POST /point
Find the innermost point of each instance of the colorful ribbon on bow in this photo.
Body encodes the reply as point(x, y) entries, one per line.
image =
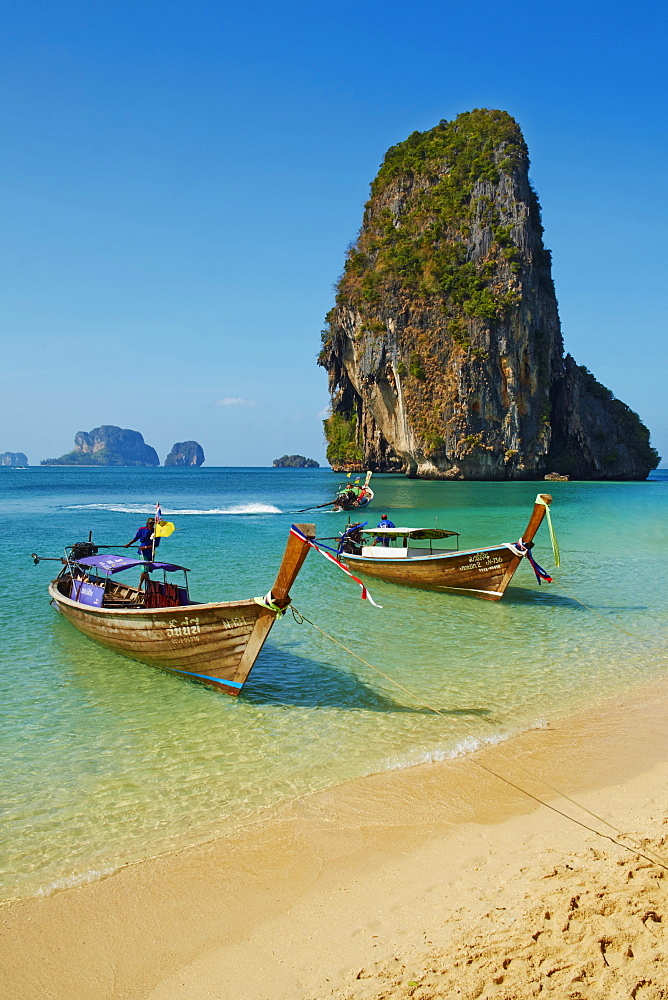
point(366, 596)
point(524, 550)
point(553, 534)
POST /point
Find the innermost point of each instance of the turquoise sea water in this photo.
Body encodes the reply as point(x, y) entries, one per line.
point(105, 760)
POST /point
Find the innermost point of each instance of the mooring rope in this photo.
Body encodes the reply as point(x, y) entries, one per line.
point(608, 621)
point(300, 617)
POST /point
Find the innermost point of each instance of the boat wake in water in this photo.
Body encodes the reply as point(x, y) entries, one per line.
point(142, 508)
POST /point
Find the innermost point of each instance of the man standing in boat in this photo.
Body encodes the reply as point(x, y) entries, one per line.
point(384, 523)
point(146, 541)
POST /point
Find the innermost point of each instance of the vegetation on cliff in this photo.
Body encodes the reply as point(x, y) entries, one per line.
point(424, 249)
point(343, 446)
point(444, 345)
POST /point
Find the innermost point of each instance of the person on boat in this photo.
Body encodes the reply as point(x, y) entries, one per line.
point(355, 493)
point(383, 523)
point(146, 541)
point(364, 490)
point(347, 494)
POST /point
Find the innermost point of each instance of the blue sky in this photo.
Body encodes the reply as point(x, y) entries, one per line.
point(180, 181)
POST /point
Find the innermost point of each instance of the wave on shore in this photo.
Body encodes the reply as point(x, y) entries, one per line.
point(141, 508)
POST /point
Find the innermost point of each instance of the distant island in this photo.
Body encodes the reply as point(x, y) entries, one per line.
point(185, 453)
point(108, 445)
point(295, 462)
point(15, 459)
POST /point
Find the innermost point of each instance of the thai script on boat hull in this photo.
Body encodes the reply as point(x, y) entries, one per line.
point(483, 562)
point(186, 626)
point(191, 626)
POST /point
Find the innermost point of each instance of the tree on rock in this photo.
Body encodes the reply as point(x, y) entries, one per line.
point(295, 462)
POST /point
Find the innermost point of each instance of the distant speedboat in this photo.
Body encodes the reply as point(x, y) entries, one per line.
point(483, 572)
point(159, 624)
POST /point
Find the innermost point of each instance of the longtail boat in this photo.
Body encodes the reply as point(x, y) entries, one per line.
point(348, 497)
point(159, 624)
point(484, 572)
point(354, 497)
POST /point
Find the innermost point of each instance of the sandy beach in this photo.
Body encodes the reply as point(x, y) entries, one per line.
point(436, 881)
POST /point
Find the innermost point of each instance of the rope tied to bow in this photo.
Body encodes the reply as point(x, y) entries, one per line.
point(268, 602)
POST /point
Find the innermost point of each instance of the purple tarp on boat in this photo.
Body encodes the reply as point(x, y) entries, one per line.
point(114, 564)
point(87, 593)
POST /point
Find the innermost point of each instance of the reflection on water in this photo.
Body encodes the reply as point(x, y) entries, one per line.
point(106, 760)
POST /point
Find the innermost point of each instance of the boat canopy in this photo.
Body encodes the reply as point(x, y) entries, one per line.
point(410, 532)
point(114, 564)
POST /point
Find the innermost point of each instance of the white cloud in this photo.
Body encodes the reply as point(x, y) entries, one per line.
point(235, 401)
point(325, 413)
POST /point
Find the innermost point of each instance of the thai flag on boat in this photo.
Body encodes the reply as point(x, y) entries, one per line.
point(158, 512)
point(366, 596)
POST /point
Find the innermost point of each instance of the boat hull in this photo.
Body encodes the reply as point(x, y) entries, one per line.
point(215, 644)
point(483, 573)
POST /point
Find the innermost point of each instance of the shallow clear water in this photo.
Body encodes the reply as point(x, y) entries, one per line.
point(105, 760)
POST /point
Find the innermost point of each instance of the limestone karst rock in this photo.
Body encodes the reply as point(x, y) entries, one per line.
point(16, 459)
point(108, 445)
point(186, 453)
point(295, 462)
point(444, 348)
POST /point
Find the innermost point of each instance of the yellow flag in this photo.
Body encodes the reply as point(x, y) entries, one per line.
point(163, 529)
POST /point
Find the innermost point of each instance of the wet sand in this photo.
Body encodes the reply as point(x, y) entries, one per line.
point(435, 881)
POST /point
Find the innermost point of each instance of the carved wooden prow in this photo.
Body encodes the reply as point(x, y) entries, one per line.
point(532, 527)
point(537, 516)
point(293, 558)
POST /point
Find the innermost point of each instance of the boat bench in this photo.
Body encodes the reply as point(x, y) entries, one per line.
point(384, 552)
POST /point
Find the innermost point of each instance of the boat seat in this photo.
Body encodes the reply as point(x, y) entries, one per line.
point(384, 552)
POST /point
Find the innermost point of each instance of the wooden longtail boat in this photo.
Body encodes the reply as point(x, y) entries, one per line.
point(353, 498)
point(214, 644)
point(343, 503)
point(484, 572)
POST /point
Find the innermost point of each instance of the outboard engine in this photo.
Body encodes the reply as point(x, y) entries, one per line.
point(81, 550)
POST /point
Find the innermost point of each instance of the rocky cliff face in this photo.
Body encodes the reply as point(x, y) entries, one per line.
point(186, 453)
point(108, 445)
point(444, 349)
point(13, 458)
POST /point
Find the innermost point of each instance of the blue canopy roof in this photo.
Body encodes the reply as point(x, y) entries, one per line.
point(114, 564)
